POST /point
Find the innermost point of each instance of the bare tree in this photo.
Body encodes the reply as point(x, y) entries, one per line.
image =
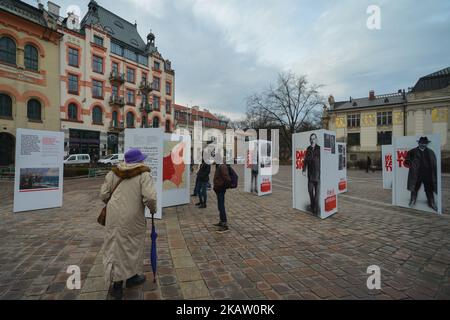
point(292, 105)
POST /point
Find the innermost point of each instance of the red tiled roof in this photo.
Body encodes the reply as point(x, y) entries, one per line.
point(197, 113)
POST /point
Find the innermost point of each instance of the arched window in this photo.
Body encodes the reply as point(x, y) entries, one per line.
point(155, 122)
point(144, 122)
point(97, 115)
point(167, 125)
point(115, 117)
point(31, 57)
point(130, 120)
point(7, 50)
point(34, 109)
point(5, 106)
point(72, 113)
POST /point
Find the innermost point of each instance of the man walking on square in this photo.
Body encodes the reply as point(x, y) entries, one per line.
point(222, 181)
point(203, 180)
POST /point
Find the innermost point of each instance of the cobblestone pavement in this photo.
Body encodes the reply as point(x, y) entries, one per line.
point(271, 252)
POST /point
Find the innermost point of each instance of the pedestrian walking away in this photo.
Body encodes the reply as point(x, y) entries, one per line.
point(123, 247)
point(203, 181)
point(221, 182)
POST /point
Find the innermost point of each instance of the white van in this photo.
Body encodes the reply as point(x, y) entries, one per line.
point(78, 159)
point(112, 159)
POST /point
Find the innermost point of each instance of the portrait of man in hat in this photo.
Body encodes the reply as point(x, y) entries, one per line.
point(312, 165)
point(422, 170)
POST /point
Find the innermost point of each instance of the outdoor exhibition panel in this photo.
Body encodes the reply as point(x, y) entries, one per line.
point(251, 166)
point(150, 142)
point(314, 172)
point(417, 173)
point(342, 167)
point(176, 170)
point(386, 158)
point(39, 170)
point(264, 167)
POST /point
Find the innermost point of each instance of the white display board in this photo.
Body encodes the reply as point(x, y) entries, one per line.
point(386, 159)
point(265, 166)
point(150, 142)
point(251, 162)
point(176, 170)
point(39, 169)
point(416, 171)
point(314, 172)
point(342, 167)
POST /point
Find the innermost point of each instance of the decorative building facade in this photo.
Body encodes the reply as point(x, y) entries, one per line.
point(366, 124)
point(110, 80)
point(29, 60)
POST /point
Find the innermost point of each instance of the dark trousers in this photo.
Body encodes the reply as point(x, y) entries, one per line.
point(254, 182)
point(428, 186)
point(202, 194)
point(221, 206)
point(314, 195)
point(197, 187)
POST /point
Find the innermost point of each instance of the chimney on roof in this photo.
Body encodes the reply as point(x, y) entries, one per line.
point(371, 95)
point(53, 8)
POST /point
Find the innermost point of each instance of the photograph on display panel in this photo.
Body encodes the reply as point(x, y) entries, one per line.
point(342, 167)
point(417, 174)
point(39, 179)
point(312, 162)
point(264, 167)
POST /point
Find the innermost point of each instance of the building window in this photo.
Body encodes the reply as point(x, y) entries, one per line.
point(116, 49)
point(115, 91)
point(353, 120)
point(115, 68)
point(130, 55)
point(97, 64)
point(155, 102)
point(115, 119)
point(7, 50)
point(130, 120)
point(167, 125)
point(144, 78)
point(98, 40)
point(31, 58)
point(156, 65)
point(73, 84)
point(168, 88)
point(73, 57)
point(156, 83)
point(72, 112)
point(34, 110)
point(168, 106)
point(155, 122)
point(384, 138)
point(353, 139)
point(130, 97)
point(130, 75)
point(384, 118)
point(97, 115)
point(5, 106)
point(97, 89)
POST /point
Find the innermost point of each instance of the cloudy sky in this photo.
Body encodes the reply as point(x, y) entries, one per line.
point(224, 50)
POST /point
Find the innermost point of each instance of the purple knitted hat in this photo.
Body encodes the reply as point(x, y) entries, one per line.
point(134, 156)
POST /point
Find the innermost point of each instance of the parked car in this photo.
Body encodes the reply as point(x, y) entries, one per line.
point(77, 159)
point(112, 159)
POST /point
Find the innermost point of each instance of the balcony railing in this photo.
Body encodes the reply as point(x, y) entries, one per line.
point(146, 86)
point(116, 101)
point(145, 106)
point(115, 126)
point(117, 77)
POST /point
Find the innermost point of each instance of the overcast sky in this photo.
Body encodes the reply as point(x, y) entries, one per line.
point(225, 50)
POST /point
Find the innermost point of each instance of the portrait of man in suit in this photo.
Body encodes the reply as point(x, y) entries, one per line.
point(422, 170)
point(312, 165)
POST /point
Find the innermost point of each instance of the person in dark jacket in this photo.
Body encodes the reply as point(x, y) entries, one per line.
point(222, 181)
point(312, 164)
point(369, 164)
point(422, 170)
point(203, 181)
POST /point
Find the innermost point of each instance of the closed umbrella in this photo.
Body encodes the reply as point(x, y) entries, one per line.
point(153, 253)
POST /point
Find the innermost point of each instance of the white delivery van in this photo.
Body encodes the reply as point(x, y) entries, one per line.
point(112, 159)
point(78, 159)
